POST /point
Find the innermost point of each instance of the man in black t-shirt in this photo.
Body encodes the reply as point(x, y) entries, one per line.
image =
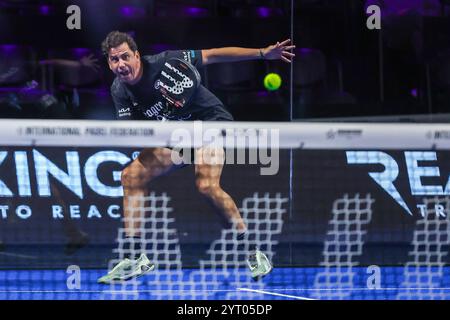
point(138, 101)
point(134, 97)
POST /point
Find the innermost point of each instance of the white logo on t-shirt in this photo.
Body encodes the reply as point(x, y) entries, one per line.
point(124, 112)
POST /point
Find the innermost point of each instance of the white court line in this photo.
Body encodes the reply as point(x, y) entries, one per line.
point(275, 294)
point(358, 289)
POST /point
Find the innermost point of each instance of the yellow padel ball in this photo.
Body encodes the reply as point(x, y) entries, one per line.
point(272, 81)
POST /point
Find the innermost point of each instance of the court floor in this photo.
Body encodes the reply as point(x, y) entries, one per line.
point(391, 283)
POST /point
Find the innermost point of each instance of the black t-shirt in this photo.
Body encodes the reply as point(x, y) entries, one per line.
point(140, 101)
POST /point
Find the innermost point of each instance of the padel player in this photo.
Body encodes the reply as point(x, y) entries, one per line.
point(134, 97)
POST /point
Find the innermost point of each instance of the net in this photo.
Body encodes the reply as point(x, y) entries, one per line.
point(356, 214)
point(343, 246)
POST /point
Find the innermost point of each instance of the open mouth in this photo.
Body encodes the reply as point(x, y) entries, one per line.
point(124, 73)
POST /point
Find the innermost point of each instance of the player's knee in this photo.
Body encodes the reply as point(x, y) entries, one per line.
point(206, 187)
point(125, 177)
point(131, 177)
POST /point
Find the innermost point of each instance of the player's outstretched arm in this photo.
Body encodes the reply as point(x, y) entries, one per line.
point(277, 51)
point(86, 61)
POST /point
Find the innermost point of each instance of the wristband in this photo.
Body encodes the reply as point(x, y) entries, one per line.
point(261, 54)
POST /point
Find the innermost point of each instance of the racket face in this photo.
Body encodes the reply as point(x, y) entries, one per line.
point(178, 82)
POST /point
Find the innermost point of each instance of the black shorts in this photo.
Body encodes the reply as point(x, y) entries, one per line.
point(181, 152)
point(216, 114)
point(192, 156)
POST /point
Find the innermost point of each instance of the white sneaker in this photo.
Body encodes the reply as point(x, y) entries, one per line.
point(128, 269)
point(259, 265)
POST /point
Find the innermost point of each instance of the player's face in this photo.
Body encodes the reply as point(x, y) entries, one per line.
point(125, 63)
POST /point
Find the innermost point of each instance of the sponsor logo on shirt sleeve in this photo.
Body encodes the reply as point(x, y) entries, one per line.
point(124, 112)
point(188, 55)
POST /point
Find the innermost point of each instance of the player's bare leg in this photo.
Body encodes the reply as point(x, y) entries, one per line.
point(208, 170)
point(151, 163)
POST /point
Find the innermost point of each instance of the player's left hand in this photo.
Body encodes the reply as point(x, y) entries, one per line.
point(91, 62)
point(280, 50)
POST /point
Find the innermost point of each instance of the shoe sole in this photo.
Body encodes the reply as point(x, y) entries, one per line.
point(144, 270)
point(259, 277)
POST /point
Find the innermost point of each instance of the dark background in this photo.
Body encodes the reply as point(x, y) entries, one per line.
point(342, 69)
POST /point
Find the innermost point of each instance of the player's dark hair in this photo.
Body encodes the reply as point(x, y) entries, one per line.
point(115, 39)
